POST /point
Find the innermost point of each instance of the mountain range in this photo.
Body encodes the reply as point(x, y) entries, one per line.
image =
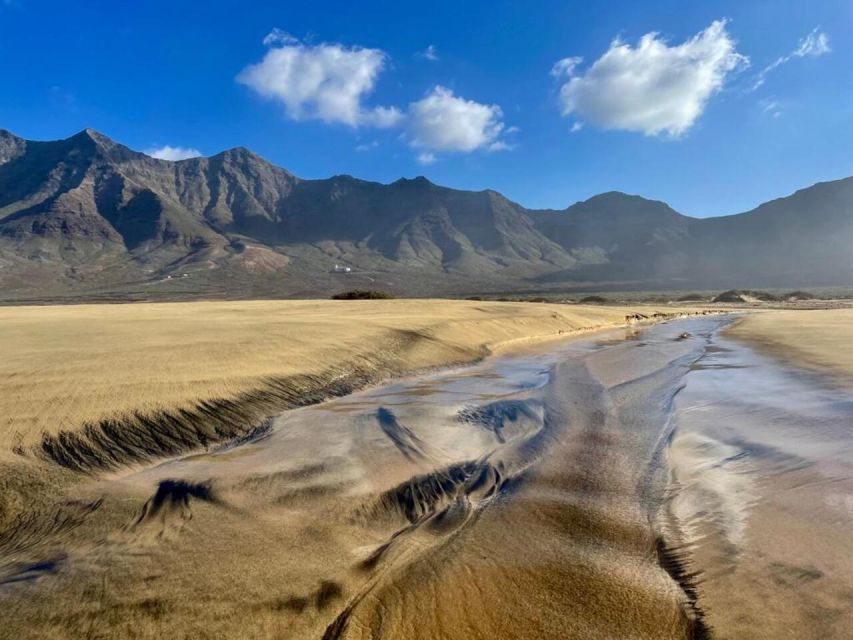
point(87, 217)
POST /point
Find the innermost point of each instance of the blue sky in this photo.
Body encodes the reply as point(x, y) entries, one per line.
point(730, 104)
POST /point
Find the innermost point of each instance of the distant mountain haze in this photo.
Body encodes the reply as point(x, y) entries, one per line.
point(89, 217)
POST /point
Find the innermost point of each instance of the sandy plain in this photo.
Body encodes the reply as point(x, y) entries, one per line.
point(525, 496)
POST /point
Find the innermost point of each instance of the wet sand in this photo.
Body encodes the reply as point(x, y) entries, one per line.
point(762, 464)
point(638, 484)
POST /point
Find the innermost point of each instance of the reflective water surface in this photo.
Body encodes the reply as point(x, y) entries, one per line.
point(763, 464)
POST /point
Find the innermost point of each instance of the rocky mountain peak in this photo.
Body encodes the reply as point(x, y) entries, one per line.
point(11, 145)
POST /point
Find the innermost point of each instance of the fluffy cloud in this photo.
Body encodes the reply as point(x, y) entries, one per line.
point(173, 153)
point(815, 44)
point(442, 121)
point(652, 88)
point(330, 82)
point(326, 82)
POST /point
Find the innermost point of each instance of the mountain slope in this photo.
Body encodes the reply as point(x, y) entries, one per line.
point(618, 237)
point(88, 216)
point(803, 239)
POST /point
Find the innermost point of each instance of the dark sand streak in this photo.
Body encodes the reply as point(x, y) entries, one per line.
point(575, 454)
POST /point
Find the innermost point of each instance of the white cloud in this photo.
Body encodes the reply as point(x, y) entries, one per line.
point(382, 117)
point(173, 153)
point(277, 36)
point(771, 107)
point(444, 122)
point(500, 145)
point(430, 53)
point(566, 66)
point(652, 88)
point(366, 146)
point(325, 82)
point(814, 45)
point(330, 82)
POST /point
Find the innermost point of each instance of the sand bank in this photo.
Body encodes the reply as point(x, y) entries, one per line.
point(65, 367)
point(762, 464)
point(821, 340)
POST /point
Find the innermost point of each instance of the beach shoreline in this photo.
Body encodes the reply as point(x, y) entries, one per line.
point(817, 341)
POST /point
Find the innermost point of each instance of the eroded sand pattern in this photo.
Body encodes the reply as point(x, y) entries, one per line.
point(532, 496)
point(763, 465)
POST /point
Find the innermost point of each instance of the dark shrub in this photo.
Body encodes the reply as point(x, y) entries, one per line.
point(592, 300)
point(729, 296)
point(362, 294)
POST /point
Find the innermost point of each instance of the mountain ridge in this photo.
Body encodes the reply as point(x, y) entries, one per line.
point(89, 215)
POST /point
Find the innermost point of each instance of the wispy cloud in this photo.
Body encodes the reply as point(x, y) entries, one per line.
point(430, 53)
point(814, 44)
point(770, 107)
point(167, 152)
point(652, 88)
point(279, 37)
point(64, 99)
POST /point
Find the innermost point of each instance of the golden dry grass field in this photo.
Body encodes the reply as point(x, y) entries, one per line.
point(64, 366)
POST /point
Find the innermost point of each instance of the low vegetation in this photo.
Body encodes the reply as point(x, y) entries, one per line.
point(362, 294)
point(737, 295)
